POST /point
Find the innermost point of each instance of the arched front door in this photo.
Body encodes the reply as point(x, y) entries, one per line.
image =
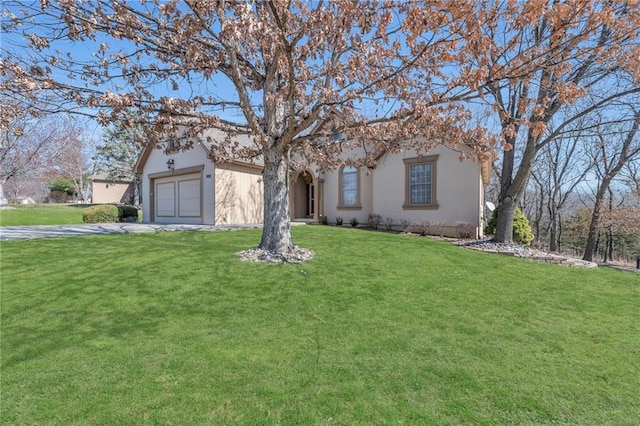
point(305, 196)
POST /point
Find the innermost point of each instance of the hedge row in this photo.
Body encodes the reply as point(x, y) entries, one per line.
point(109, 213)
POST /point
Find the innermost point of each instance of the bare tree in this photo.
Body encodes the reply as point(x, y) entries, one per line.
point(30, 145)
point(614, 148)
point(377, 73)
point(533, 203)
point(560, 167)
point(294, 72)
point(632, 176)
point(74, 164)
point(544, 56)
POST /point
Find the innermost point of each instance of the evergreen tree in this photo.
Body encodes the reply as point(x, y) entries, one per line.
point(116, 157)
point(123, 143)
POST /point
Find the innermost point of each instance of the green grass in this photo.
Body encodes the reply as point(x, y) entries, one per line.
point(42, 214)
point(378, 329)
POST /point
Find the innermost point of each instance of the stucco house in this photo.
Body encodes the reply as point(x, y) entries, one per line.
point(434, 187)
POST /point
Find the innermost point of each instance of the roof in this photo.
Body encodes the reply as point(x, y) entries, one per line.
point(235, 141)
point(109, 179)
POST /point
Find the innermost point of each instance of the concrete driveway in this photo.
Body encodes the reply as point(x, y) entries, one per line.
point(46, 231)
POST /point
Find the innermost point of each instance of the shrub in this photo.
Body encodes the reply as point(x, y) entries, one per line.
point(60, 191)
point(338, 221)
point(423, 227)
point(490, 229)
point(101, 214)
point(387, 223)
point(59, 197)
point(354, 222)
point(465, 229)
point(374, 221)
point(324, 220)
point(522, 232)
point(62, 185)
point(128, 213)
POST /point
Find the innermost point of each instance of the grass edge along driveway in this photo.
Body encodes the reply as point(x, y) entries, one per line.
point(377, 329)
point(42, 214)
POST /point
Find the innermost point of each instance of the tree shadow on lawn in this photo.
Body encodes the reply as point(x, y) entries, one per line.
point(68, 327)
point(114, 291)
point(82, 301)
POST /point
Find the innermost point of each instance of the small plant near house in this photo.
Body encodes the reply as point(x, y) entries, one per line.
point(423, 227)
point(374, 221)
point(101, 214)
point(324, 220)
point(465, 230)
point(404, 224)
point(354, 222)
point(440, 227)
point(339, 221)
point(522, 232)
point(387, 223)
point(128, 213)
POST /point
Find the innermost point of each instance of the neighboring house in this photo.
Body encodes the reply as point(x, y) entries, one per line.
point(109, 191)
point(433, 187)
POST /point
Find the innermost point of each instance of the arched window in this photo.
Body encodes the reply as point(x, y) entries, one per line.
point(349, 190)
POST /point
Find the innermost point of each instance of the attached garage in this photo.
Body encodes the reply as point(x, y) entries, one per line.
point(177, 198)
point(187, 186)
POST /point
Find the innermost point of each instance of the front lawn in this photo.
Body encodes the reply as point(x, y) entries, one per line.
point(42, 214)
point(378, 329)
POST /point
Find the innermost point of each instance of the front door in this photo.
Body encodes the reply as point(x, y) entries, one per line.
point(303, 197)
point(310, 200)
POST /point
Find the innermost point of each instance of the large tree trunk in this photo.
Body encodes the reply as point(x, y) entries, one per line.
point(504, 225)
point(512, 187)
point(276, 235)
point(559, 237)
point(608, 248)
point(593, 228)
point(506, 202)
point(553, 230)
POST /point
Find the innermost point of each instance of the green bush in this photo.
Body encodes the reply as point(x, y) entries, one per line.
point(128, 212)
point(338, 221)
point(522, 232)
point(62, 185)
point(101, 214)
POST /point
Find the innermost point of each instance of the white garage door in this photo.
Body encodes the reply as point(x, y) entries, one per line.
point(178, 199)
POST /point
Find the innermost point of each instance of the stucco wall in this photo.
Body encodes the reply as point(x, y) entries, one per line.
point(459, 192)
point(332, 193)
point(105, 192)
point(239, 194)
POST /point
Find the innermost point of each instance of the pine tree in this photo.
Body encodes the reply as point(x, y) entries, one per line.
point(116, 157)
